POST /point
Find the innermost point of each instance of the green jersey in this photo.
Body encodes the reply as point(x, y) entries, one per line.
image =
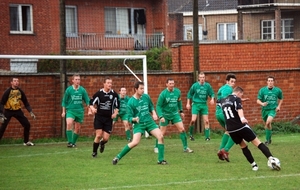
point(223, 92)
point(140, 108)
point(271, 96)
point(73, 99)
point(123, 105)
point(169, 102)
point(200, 92)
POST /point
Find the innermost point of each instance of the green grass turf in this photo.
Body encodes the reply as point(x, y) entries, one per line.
point(54, 166)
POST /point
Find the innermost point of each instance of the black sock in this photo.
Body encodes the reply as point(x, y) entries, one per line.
point(248, 154)
point(265, 150)
point(95, 147)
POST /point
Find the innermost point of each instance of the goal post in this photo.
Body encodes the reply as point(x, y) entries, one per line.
point(88, 57)
point(60, 57)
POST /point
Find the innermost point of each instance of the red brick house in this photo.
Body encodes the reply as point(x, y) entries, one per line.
point(32, 27)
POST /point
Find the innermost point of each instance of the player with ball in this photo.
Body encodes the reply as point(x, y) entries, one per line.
point(240, 131)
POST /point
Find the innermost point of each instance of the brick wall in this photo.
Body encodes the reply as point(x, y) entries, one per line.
point(43, 95)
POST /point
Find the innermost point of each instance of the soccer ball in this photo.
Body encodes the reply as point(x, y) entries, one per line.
point(273, 160)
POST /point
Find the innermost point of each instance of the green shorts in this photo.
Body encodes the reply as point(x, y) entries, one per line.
point(266, 113)
point(77, 115)
point(123, 117)
point(220, 117)
point(201, 109)
point(142, 127)
point(173, 119)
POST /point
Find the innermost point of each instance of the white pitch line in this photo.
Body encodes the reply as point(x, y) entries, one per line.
point(197, 181)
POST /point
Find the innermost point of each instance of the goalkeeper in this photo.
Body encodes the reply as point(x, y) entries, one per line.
point(10, 106)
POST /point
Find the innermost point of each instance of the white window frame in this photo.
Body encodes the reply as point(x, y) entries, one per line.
point(20, 19)
point(225, 26)
point(75, 27)
point(187, 27)
point(273, 27)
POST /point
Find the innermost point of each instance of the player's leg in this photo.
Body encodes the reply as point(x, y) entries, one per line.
point(19, 115)
point(127, 130)
point(163, 129)
point(96, 142)
point(137, 135)
point(107, 128)
point(156, 132)
point(221, 119)
point(268, 126)
point(182, 135)
point(206, 127)
point(70, 117)
point(77, 127)
point(192, 127)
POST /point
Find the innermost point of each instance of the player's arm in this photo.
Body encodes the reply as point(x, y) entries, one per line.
point(279, 104)
point(242, 117)
point(26, 104)
point(159, 105)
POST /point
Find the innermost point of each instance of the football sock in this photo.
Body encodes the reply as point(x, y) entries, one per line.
point(265, 150)
point(128, 135)
point(161, 152)
point(95, 146)
point(229, 144)
point(69, 134)
point(207, 133)
point(182, 136)
point(156, 142)
point(224, 141)
point(123, 152)
point(75, 137)
point(268, 134)
point(191, 130)
point(248, 154)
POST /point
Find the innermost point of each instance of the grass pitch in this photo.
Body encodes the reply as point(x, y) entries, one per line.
point(54, 166)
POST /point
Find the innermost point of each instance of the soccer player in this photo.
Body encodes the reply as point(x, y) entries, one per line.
point(141, 112)
point(270, 98)
point(199, 93)
point(224, 91)
point(168, 107)
point(73, 110)
point(123, 112)
point(10, 106)
point(239, 130)
point(107, 102)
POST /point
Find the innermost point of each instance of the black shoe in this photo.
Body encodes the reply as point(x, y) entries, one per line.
point(102, 146)
point(129, 140)
point(192, 138)
point(94, 154)
point(268, 142)
point(115, 161)
point(163, 162)
point(207, 139)
point(73, 145)
point(70, 145)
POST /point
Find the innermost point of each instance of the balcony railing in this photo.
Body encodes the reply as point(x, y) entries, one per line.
point(97, 41)
point(255, 2)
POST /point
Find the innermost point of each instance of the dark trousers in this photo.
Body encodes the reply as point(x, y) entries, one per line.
point(19, 115)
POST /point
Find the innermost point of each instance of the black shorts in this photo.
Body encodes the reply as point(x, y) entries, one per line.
point(104, 123)
point(246, 133)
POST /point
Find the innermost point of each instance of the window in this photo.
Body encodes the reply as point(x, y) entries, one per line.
point(21, 19)
point(71, 21)
point(124, 21)
point(188, 32)
point(269, 33)
point(227, 31)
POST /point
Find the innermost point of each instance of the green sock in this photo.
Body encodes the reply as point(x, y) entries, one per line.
point(125, 150)
point(183, 140)
point(69, 134)
point(161, 152)
point(229, 144)
point(207, 132)
point(75, 137)
point(224, 140)
point(128, 134)
point(191, 130)
point(156, 142)
point(268, 134)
